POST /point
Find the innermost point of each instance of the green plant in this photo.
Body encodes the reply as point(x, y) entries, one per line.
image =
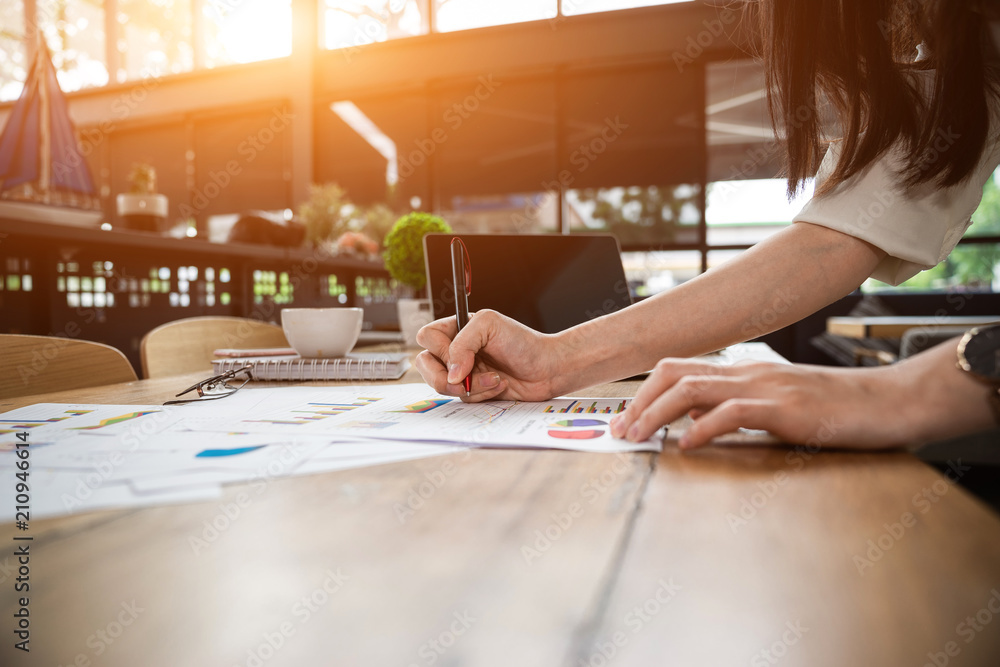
point(377, 220)
point(404, 247)
point(327, 213)
point(142, 179)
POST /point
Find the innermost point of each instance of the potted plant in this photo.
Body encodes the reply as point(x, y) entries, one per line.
point(404, 259)
point(142, 207)
point(357, 244)
point(326, 214)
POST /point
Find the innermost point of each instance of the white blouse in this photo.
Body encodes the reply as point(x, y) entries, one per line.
point(917, 228)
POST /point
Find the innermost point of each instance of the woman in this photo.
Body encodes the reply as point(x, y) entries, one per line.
point(913, 85)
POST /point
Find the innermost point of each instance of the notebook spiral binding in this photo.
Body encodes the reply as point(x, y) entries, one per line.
point(298, 369)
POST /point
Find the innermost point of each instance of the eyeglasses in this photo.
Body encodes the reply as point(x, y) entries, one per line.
point(215, 387)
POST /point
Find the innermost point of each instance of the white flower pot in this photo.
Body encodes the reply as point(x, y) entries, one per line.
point(413, 314)
point(134, 204)
point(143, 212)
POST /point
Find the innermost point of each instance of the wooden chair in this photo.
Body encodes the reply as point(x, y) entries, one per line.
point(186, 346)
point(41, 364)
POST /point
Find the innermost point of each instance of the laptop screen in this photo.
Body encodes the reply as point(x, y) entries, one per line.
point(548, 282)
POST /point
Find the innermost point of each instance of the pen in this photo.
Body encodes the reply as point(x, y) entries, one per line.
point(461, 271)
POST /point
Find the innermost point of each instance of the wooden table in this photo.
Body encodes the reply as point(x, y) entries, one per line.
point(724, 556)
point(896, 325)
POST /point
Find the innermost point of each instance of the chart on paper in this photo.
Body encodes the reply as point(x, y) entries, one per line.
point(589, 407)
point(416, 413)
point(503, 424)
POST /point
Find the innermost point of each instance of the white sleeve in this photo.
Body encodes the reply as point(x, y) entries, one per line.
point(917, 227)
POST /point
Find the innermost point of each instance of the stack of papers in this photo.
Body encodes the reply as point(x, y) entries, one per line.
point(89, 457)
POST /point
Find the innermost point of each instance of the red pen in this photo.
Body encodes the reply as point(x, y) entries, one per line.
point(461, 271)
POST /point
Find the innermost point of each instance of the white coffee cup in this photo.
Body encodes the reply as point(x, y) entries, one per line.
point(322, 332)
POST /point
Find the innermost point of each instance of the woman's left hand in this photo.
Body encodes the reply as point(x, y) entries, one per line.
point(798, 404)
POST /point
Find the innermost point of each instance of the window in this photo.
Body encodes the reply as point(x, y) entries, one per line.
point(74, 32)
point(571, 7)
point(350, 24)
point(974, 265)
point(376, 145)
point(652, 272)
point(496, 138)
point(640, 216)
point(13, 60)
point(239, 163)
point(453, 15)
point(156, 38)
point(246, 31)
point(744, 212)
point(512, 213)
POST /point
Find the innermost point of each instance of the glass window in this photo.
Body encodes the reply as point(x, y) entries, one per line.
point(74, 32)
point(13, 61)
point(640, 216)
point(986, 219)
point(247, 31)
point(650, 273)
point(453, 15)
point(517, 213)
point(632, 126)
point(239, 163)
point(743, 212)
point(376, 147)
point(969, 268)
point(492, 137)
point(571, 7)
point(349, 24)
point(973, 266)
point(718, 257)
point(156, 38)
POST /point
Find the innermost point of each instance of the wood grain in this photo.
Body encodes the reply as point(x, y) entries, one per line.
point(461, 552)
point(185, 346)
point(896, 326)
point(760, 538)
point(39, 364)
point(640, 524)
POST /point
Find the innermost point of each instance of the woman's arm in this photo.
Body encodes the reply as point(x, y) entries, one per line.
point(922, 399)
point(777, 282)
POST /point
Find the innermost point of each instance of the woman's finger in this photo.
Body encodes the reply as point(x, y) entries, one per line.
point(432, 371)
point(436, 337)
point(666, 374)
point(461, 355)
point(690, 392)
point(730, 416)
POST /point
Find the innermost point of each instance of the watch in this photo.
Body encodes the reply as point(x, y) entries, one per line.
point(979, 356)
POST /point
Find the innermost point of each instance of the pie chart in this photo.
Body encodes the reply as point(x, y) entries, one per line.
point(588, 434)
point(580, 422)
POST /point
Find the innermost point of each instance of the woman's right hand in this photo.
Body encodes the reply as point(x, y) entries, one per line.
point(506, 359)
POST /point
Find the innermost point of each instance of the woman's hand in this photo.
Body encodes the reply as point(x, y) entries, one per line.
point(506, 359)
point(923, 398)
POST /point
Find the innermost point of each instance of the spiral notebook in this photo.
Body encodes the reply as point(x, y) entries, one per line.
point(360, 366)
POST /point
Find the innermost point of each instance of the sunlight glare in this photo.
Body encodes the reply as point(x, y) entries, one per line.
point(257, 30)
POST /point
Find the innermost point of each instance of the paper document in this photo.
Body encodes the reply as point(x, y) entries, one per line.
point(88, 457)
point(416, 413)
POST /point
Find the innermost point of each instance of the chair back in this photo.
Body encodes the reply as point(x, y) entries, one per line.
point(42, 364)
point(186, 346)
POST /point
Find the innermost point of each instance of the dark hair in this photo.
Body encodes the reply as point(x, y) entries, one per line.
point(858, 55)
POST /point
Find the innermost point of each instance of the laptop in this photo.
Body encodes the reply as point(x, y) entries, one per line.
point(549, 282)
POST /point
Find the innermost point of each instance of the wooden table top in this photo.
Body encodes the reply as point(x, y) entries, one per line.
point(896, 325)
point(724, 556)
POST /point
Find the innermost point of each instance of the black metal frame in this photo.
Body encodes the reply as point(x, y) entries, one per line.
point(40, 250)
